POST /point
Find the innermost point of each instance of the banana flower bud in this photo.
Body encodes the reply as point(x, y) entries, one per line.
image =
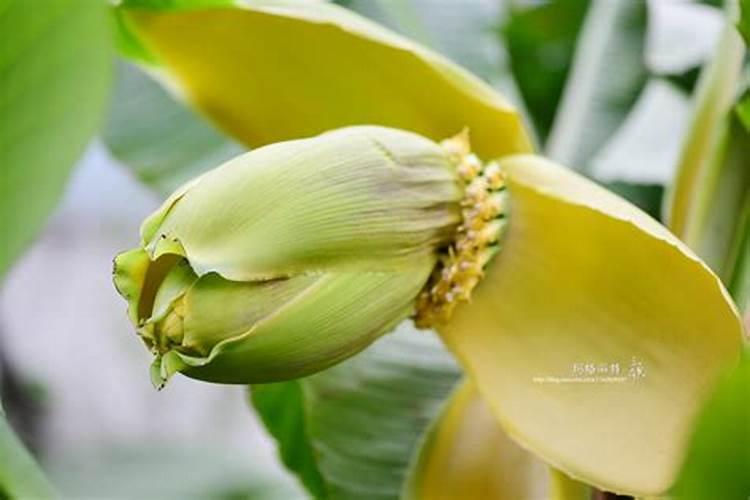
point(591, 333)
point(292, 257)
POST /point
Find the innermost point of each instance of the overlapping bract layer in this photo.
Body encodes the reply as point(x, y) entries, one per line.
point(290, 258)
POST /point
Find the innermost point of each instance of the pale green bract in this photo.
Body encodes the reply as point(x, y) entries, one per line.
point(290, 258)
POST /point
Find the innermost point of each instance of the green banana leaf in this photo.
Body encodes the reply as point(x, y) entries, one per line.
point(350, 432)
point(607, 74)
point(20, 476)
point(541, 39)
point(54, 75)
point(718, 460)
point(162, 141)
point(647, 197)
point(744, 23)
point(282, 408)
point(743, 112)
point(739, 283)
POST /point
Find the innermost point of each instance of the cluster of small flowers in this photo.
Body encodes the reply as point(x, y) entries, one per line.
point(483, 211)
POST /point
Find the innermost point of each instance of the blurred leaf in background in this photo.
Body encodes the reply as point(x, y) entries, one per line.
point(169, 471)
point(743, 111)
point(618, 100)
point(20, 476)
point(541, 39)
point(739, 286)
point(680, 35)
point(600, 120)
point(625, 108)
point(607, 74)
point(464, 31)
point(712, 182)
point(351, 431)
point(646, 145)
point(163, 141)
point(26, 401)
point(282, 407)
point(744, 23)
point(709, 208)
point(718, 239)
point(740, 258)
point(647, 197)
point(718, 459)
point(638, 159)
point(55, 65)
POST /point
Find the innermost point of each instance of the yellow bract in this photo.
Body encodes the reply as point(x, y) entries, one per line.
point(595, 335)
point(275, 70)
point(467, 455)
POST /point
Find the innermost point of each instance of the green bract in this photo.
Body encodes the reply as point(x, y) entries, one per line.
point(292, 257)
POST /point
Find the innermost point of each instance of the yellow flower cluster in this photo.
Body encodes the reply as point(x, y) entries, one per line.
point(483, 211)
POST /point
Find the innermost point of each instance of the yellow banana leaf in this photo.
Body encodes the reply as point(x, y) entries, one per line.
point(595, 335)
point(271, 70)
